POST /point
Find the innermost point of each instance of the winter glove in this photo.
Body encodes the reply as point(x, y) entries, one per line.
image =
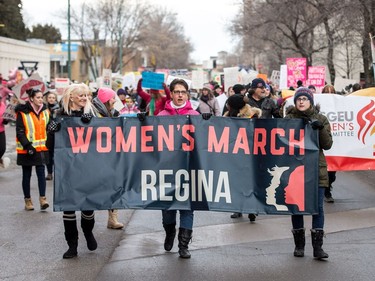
point(305, 120)
point(206, 116)
point(86, 118)
point(53, 126)
point(316, 125)
point(141, 116)
point(30, 149)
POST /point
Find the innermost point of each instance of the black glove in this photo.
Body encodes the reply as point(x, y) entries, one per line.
point(141, 116)
point(53, 126)
point(5, 121)
point(30, 149)
point(316, 125)
point(86, 117)
point(206, 116)
point(305, 120)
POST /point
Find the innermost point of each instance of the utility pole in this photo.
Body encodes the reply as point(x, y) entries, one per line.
point(69, 52)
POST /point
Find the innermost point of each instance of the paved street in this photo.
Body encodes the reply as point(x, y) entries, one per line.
point(32, 243)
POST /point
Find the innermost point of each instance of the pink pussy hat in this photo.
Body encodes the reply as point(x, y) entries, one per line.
point(105, 94)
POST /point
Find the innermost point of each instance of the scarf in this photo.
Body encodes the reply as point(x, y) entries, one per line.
point(152, 107)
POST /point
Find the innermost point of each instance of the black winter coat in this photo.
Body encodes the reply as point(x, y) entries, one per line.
point(39, 158)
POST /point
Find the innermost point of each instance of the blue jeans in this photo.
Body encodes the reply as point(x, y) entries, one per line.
point(317, 220)
point(26, 178)
point(186, 218)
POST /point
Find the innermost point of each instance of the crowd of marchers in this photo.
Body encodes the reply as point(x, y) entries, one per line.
point(37, 122)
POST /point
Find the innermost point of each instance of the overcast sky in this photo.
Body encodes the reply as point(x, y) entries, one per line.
point(205, 21)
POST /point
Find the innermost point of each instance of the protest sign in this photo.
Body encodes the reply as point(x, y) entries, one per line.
point(152, 80)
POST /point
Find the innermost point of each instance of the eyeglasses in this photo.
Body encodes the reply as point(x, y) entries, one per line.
point(303, 99)
point(180, 92)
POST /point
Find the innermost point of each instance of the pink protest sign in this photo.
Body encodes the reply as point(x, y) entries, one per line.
point(317, 77)
point(296, 69)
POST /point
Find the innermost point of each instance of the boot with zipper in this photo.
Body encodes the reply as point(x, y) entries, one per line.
point(43, 203)
point(29, 204)
point(299, 242)
point(113, 220)
point(170, 234)
point(184, 237)
point(317, 243)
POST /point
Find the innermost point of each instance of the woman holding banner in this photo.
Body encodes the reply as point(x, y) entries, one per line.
point(178, 105)
point(75, 103)
point(304, 109)
point(104, 105)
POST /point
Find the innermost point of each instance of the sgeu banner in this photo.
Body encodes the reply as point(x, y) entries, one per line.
point(185, 162)
point(352, 120)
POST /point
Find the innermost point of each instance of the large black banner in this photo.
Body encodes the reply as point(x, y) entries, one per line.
point(184, 162)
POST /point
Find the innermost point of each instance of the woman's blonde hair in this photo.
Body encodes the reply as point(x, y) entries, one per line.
point(76, 89)
point(48, 94)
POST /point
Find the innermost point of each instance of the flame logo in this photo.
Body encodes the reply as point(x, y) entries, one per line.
point(366, 121)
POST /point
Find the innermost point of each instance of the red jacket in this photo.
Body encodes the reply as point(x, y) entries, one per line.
point(160, 102)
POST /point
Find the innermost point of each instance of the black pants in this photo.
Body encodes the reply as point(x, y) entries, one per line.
point(2, 144)
point(331, 179)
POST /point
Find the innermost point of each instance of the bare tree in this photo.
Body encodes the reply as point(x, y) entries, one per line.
point(123, 22)
point(164, 40)
point(107, 29)
point(86, 25)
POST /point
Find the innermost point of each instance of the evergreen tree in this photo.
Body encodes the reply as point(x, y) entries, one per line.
point(47, 32)
point(12, 20)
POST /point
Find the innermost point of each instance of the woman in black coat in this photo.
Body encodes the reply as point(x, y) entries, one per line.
point(31, 138)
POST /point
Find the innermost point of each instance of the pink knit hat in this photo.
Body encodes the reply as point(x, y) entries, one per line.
point(105, 94)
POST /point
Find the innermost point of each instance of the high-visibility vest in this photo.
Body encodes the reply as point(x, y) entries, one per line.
point(35, 131)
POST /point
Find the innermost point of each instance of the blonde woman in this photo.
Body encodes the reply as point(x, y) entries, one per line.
point(75, 103)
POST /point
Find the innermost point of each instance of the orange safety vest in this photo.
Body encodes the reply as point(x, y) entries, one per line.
point(35, 131)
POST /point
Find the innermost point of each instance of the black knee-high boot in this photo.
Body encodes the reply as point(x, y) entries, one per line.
point(87, 224)
point(71, 234)
point(184, 237)
point(170, 234)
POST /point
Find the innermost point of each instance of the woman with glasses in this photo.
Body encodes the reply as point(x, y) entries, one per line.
point(178, 105)
point(31, 138)
point(304, 109)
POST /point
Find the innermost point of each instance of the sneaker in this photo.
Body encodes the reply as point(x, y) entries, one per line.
point(49, 177)
point(236, 215)
point(329, 199)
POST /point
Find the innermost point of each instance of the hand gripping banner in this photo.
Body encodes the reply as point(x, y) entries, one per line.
point(266, 166)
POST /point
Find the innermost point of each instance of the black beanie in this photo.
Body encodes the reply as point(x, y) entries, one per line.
point(236, 101)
